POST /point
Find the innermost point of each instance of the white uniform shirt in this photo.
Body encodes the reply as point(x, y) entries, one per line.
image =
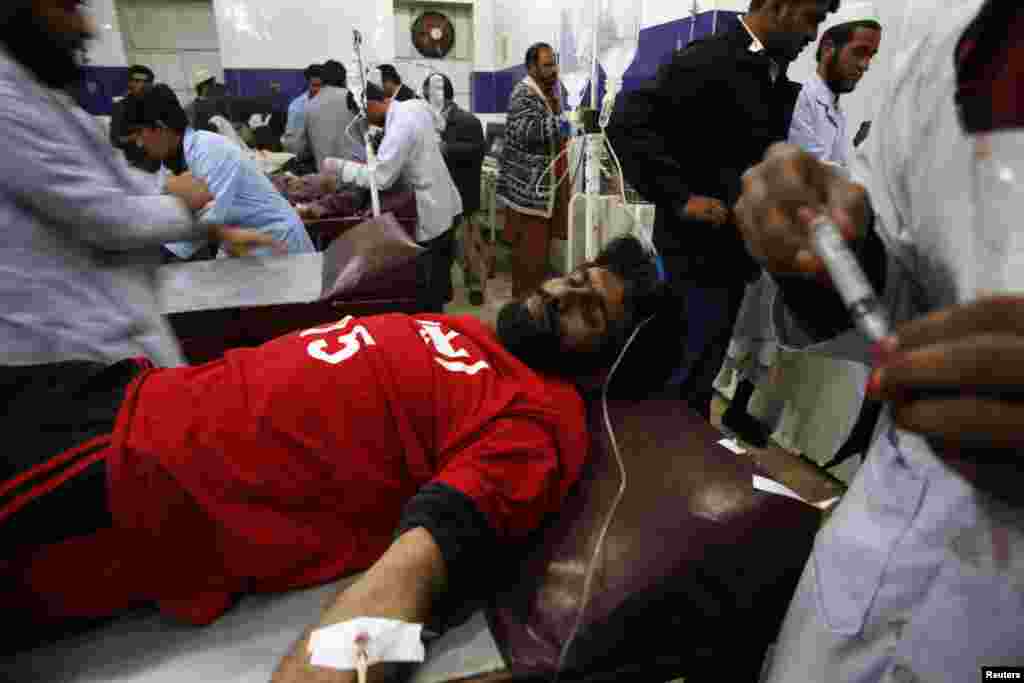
point(819, 124)
point(410, 154)
point(917, 576)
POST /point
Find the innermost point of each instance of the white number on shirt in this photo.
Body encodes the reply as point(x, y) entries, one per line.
point(436, 337)
point(351, 343)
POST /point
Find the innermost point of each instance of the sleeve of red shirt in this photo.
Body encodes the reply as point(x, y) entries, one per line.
point(511, 472)
point(489, 495)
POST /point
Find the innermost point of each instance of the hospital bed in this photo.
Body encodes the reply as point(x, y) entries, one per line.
point(699, 552)
point(227, 303)
point(697, 569)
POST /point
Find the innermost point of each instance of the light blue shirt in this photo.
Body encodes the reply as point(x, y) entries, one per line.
point(819, 124)
point(296, 125)
point(243, 196)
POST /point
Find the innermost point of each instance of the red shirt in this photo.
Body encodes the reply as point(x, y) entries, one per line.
point(289, 464)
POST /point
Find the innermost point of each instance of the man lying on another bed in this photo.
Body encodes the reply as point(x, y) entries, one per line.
point(292, 464)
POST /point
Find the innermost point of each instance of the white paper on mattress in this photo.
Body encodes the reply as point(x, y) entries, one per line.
point(240, 282)
point(243, 646)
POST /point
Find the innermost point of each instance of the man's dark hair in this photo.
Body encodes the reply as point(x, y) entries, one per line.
point(533, 53)
point(389, 74)
point(755, 5)
point(334, 74)
point(839, 36)
point(313, 71)
point(158, 108)
point(449, 90)
point(536, 341)
point(143, 71)
point(56, 60)
point(375, 93)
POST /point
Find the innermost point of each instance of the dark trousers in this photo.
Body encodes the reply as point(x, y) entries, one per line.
point(434, 273)
point(711, 313)
point(58, 425)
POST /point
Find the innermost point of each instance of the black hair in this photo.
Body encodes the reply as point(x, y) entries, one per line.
point(334, 74)
point(842, 34)
point(158, 108)
point(755, 5)
point(536, 340)
point(375, 93)
point(55, 58)
point(449, 91)
point(313, 71)
point(533, 53)
point(142, 70)
point(389, 73)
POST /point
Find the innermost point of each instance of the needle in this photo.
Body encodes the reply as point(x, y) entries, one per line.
point(362, 657)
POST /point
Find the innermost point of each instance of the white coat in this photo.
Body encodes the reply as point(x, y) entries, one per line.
point(917, 576)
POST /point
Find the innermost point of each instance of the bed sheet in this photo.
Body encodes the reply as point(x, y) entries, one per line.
point(243, 646)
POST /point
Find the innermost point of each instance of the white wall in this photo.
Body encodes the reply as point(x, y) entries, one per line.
point(108, 48)
point(172, 37)
point(520, 23)
point(291, 34)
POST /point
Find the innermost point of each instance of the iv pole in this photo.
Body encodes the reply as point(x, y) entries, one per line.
point(694, 11)
point(593, 142)
point(371, 156)
point(594, 145)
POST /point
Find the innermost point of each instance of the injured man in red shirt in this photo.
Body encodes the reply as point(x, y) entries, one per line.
point(414, 446)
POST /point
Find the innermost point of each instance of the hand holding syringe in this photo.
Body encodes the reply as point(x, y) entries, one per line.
point(955, 376)
point(849, 279)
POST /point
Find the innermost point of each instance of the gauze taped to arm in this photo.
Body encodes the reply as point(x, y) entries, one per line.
point(386, 640)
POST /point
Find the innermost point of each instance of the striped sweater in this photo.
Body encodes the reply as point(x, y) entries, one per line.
point(532, 140)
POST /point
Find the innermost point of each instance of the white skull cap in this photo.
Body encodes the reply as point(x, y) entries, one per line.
point(850, 12)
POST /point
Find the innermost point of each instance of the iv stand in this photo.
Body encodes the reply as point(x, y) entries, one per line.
point(371, 156)
point(593, 143)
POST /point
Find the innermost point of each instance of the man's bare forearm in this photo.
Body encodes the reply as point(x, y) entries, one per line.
point(403, 585)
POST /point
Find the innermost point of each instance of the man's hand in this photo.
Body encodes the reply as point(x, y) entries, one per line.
point(781, 198)
point(194, 192)
point(957, 377)
point(295, 184)
point(327, 182)
point(707, 209)
point(240, 241)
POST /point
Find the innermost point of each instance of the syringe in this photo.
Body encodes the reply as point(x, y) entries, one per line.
point(867, 310)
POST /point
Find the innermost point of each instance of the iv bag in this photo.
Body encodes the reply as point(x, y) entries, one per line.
point(435, 92)
point(576, 48)
point(618, 36)
point(377, 48)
